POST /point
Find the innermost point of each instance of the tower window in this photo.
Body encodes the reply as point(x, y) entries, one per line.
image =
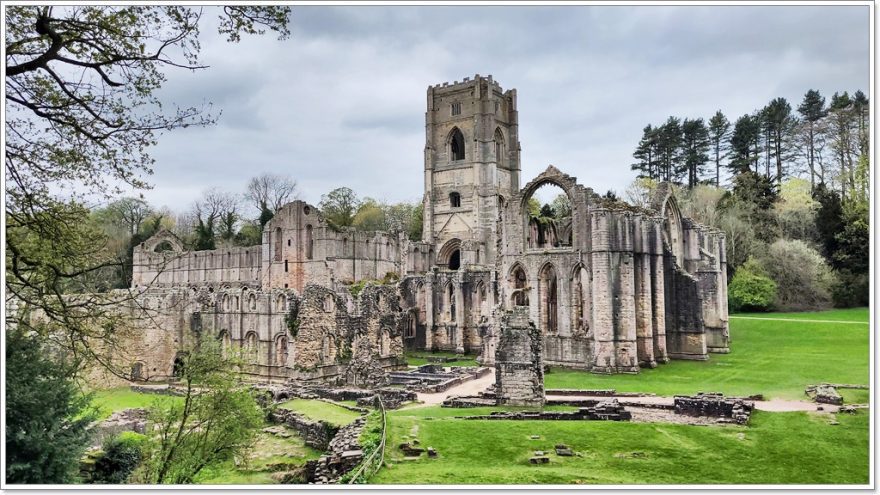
point(455, 260)
point(455, 199)
point(456, 145)
point(456, 108)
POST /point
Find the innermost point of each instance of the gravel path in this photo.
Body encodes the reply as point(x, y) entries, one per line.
point(474, 387)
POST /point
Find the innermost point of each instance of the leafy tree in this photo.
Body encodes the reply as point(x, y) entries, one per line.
point(829, 219)
point(803, 278)
point(751, 289)
point(216, 420)
point(369, 216)
point(853, 240)
point(695, 147)
point(417, 222)
point(46, 416)
point(812, 110)
point(639, 191)
point(339, 207)
point(760, 194)
point(841, 119)
point(861, 109)
point(702, 203)
point(250, 234)
point(561, 206)
point(719, 129)
point(122, 454)
point(796, 210)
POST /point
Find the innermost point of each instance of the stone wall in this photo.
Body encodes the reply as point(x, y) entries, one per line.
point(519, 366)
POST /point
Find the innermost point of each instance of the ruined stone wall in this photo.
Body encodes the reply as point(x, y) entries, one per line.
point(519, 365)
point(227, 266)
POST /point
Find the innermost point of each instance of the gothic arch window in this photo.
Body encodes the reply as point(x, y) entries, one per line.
point(499, 146)
point(456, 145)
point(455, 199)
point(580, 300)
point(250, 347)
point(281, 350)
point(278, 244)
point(548, 297)
point(520, 286)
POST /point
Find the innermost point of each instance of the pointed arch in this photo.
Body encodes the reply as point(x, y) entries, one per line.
point(500, 149)
point(455, 142)
point(548, 297)
point(519, 281)
point(580, 299)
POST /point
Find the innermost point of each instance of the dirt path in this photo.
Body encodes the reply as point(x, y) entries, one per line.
point(798, 320)
point(470, 387)
point(474, 387)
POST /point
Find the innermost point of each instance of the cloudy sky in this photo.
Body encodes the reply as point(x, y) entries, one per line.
point(342, 102)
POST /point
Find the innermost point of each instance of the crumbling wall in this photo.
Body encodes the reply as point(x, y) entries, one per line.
point(519, 364)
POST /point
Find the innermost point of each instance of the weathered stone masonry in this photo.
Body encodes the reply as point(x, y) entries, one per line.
point(611, 289)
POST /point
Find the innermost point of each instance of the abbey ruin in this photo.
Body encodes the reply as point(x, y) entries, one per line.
point(611, 288)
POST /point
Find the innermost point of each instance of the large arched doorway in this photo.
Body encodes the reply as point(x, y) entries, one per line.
point(548, 295)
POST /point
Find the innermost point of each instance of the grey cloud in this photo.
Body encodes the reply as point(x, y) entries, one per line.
point(342, 102)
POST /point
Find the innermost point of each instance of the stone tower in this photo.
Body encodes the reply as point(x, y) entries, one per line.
point(472, 166)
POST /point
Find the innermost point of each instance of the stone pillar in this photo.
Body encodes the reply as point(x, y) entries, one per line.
point(429, 311)
point(658, 293)
point(625, 331)
point(603, 320)
point(644, 323)
point(519, 365)
point(459, 314)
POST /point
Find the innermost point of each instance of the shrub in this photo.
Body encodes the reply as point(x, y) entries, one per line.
point(803, 278)
point(851, 289)
point(751, 289)
point(122, 454)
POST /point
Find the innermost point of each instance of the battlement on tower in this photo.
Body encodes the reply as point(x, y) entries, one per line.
point(466, 83)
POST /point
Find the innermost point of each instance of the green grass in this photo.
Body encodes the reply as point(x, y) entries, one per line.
point(268, 450)
point(419, 358)
point(321, 410)
point(776, 448)
point(774, 358)
point(111, 400)
point(855, 395)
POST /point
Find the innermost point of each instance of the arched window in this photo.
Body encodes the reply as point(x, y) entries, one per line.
point(278, 244)
point(456, 145)
point(451, 297)
point(309, 242)
point(281, 351)
point(520, 289)
point(499, 146)
point(455, 199)
point(547, 294)
point(250, 347)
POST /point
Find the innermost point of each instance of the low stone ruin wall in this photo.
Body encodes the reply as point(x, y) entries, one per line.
point(432, 378)
point(714, 405)
point(391, 397)
point(608, 410)
point(316, 434)
point(826, 393)
point(343, 454)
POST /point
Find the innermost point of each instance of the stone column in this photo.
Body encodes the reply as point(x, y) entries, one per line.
point(644, 323)
point(429, 311)
point(459, 314)
point(603, 320)
point(658, 292)
point(625, 331)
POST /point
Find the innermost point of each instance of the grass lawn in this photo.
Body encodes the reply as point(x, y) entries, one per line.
point(775, 448)
point(317, 409)
point(418, 358)
point(770, 357)
point(111, 400)
point(268, 453)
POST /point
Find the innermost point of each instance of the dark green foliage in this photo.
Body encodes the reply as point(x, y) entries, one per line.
point(265, 215)
point(339, 207)
point(46, 415)
point(751, 289)
point(646, 154)
point(719, 130)
point(416, 223)
point(851, 290)
point(829, 219)
point(853, 240)
point(743, 149)
point(122, 454)
point(250, 234)
point(695, 148)
point(204, 236)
